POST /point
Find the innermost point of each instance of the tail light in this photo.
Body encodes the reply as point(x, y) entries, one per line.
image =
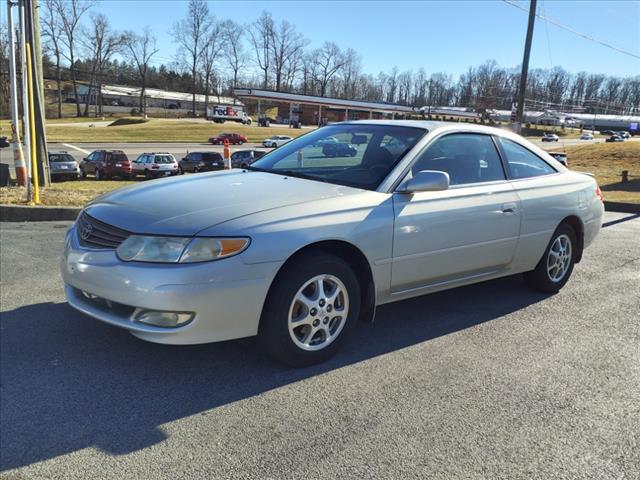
point(155, 166)
point(599, 193)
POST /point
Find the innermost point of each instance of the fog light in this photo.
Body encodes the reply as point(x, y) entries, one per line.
point(163, 319)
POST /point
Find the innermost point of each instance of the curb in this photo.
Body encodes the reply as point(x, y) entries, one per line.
point(23, 213)
point(622, 207)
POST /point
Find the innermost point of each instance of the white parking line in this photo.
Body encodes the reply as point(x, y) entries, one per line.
point(76, 148)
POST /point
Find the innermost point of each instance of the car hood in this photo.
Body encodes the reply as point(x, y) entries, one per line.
point(185, 205)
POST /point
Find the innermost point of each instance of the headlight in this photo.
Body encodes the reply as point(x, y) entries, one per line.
point(140, 248)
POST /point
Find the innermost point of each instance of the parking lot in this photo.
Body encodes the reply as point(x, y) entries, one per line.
point(488, 381)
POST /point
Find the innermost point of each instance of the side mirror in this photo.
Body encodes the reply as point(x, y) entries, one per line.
point(426, 181)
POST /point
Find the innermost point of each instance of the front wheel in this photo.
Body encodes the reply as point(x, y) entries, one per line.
point(555, 266)
point(99, 175)
point(311, 309)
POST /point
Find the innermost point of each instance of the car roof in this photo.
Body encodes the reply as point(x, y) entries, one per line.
point(438, 126)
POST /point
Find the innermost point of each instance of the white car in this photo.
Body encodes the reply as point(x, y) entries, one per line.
point(154, 165)
point(276, 141)
point(586, 136)
point(299, 252)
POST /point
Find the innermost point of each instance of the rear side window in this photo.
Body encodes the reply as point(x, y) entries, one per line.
point(467, 157)
point(522, 162)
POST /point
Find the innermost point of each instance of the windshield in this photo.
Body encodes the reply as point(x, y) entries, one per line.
point(164, 159)
point(60, 157)
point(357, 155)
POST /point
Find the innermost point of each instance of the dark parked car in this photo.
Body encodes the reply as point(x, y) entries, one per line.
point(339, 150)
point(105, 164)
point(63, 166)
point(201, 162)
point(615, 138)
point(244, 158)
point(607, 132)
point(234, 139)
point(4, 142)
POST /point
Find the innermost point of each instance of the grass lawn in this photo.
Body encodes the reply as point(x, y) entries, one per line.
point(74, 193)
point(155, 130)
point(607, 161)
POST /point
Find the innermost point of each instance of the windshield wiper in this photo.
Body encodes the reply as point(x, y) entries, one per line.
point(293, 173)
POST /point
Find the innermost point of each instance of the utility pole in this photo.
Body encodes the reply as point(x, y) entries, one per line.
point(16, 144)
point(525, 64)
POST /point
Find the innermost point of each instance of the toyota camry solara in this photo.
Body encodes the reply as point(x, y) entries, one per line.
point(299, 247)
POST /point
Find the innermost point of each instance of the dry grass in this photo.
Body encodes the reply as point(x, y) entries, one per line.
point(157, 130)
point(66, 194)
point(607, 161)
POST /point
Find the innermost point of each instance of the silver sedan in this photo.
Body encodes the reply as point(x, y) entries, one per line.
point(298, 247)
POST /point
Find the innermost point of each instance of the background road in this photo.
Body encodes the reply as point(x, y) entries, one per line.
point(179, 150)
point(488, 381)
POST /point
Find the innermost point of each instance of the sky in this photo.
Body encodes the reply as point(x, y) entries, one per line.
point(440, 36)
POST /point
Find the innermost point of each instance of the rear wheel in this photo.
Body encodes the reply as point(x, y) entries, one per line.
point(311, 309)
point(555, 266)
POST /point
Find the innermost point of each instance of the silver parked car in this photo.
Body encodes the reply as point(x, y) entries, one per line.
point(299, 247)
point(63, 166)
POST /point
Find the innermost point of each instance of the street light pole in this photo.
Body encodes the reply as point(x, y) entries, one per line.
point(525, 64)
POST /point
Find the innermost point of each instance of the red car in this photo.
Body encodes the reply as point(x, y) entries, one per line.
point(234, 139)
point(105, 164)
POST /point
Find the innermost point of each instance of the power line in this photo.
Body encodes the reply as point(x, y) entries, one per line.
point(575, 32)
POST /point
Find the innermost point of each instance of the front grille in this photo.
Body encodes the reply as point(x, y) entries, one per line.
point(93, 233)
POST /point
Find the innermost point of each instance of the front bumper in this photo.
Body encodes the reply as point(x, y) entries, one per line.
point(226, 296)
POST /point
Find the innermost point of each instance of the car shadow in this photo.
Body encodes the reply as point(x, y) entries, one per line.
point(632, 185)
point(69, 382)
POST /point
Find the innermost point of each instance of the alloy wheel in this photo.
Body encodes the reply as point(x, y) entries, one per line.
point(559, 258)
point(318, 312)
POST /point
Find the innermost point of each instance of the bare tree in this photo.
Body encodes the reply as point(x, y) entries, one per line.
point(71, 13)
point(234, 53)
point(213, 48)
point(52, 30)
point(140, 50)
point(101, 43)
point(329, 59)
point(350, 72)
point(191, 33)
point(286, 44)
point(261, 33)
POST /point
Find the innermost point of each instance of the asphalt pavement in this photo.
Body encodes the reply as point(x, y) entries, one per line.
point(490, 381)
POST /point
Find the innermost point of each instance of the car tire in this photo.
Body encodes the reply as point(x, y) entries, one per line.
point(556, 265)
point(99, 175)
point(195, 169)
point(147, 175)
point(83, 174)
point(327, 323)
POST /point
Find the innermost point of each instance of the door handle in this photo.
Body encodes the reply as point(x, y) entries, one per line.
point(509, 208)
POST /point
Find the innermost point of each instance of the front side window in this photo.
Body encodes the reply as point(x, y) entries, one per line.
point(522, 162)
point(467, 157)
point(357, 155)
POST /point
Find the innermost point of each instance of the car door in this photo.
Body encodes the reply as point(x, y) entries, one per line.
point(137, 165)
point(89, 163)
point(545, 195)
point(469, 230)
